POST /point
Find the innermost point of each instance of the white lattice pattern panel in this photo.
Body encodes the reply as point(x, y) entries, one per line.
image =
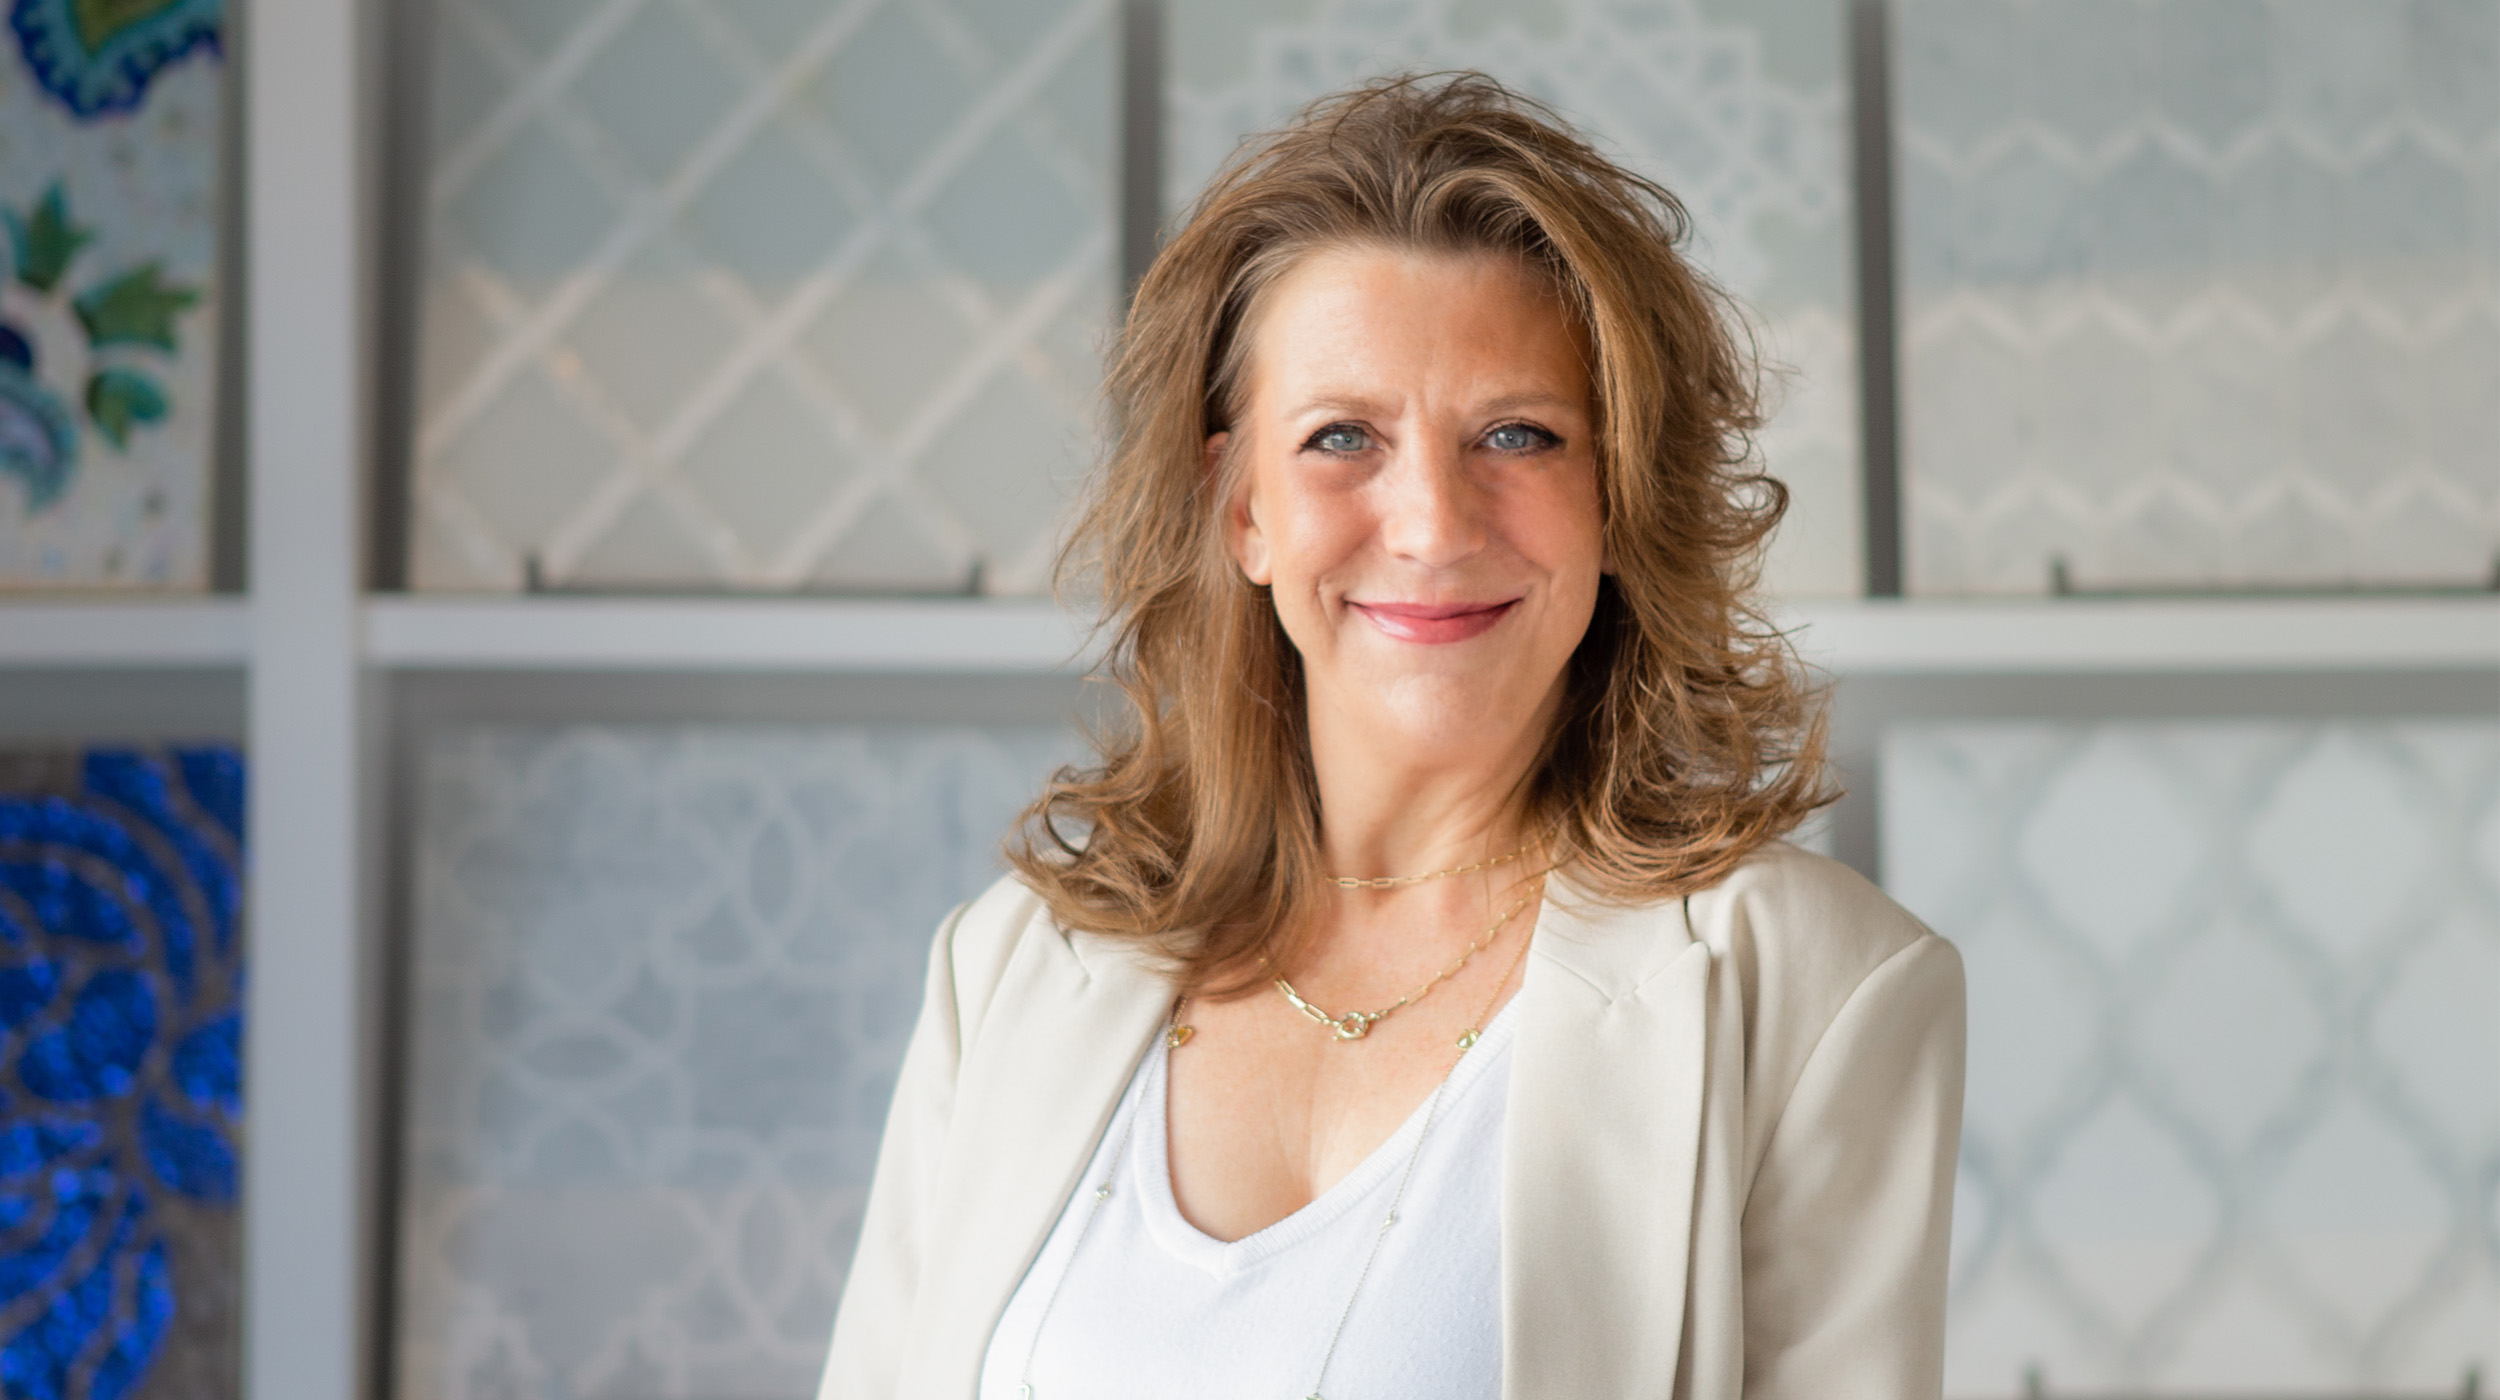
point(661, 983)
point(2200, 293)
point(760, 293)
point(2234, 1104)
point(1739, 109)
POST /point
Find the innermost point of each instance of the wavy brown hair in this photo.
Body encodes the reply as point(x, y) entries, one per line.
point(1686, 739)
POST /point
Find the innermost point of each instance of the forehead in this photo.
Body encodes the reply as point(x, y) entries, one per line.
point(1478, 320)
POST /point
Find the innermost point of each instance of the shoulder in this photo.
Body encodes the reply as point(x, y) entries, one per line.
point(1805, 939)
point(980, 938)
point(1795, 941)
point(1810, 916)
point(1788, 924)
point(1009, 927)
point(996, 917)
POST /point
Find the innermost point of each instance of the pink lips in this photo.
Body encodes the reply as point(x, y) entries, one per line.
point(1434, 622)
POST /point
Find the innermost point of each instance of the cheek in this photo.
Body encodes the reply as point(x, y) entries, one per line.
point(1313, 532)
point(1570, 536)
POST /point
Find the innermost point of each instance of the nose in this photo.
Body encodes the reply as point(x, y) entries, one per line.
point(1431, 509)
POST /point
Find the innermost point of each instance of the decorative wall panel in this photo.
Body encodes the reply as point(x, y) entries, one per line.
point(1738, 108)
point(109, 137)
point(2200, 292)
point(662, 980)
point(760, 294)
point(121, 1022)
point(2234, 1105)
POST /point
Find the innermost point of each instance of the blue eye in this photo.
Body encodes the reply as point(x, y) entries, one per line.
point(1338, 437)
point(1519, 437)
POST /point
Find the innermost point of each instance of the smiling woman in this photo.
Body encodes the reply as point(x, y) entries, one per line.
point(1416, 997)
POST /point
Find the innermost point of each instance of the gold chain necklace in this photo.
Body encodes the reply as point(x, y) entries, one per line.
point(1385, 882)
point(1354, 1025)
point(1176, 1035)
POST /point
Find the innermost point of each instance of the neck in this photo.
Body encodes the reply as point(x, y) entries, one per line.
point(1391, 807)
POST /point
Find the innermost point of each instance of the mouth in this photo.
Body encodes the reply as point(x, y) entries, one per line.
point(1434, 623)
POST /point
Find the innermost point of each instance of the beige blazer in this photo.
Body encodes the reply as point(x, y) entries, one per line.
point(1727, 1165)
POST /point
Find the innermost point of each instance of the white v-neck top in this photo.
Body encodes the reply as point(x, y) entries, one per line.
point(1152, 1307)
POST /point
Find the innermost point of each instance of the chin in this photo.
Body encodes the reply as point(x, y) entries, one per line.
point(1458, 710)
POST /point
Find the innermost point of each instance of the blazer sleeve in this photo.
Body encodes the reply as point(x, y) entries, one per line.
point(1848, 1226)
point(871, 1326)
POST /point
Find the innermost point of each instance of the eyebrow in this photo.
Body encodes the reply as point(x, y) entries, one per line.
point(1508, 403)
point(1357, 405)
point(1334, 403)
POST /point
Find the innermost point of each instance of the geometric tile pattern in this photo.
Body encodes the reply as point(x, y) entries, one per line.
point(661, 983)
point(2199, 294)
point(121, 1096)
point(1736, 107)
point(2233, 1116)
point(760, 294)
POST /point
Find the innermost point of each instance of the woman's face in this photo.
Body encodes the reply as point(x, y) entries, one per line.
point(1420, 491)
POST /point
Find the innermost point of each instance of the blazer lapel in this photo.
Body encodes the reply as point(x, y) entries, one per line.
point(1072, 1017)
point(1601, 1151)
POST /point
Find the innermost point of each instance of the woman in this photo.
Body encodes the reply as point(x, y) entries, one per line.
point(1417, 999)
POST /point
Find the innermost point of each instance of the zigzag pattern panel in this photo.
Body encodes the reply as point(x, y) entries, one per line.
point(2200, 292)
point(2235, 1032)
point(1738, 109)
point(662, 979)
point(759, 294)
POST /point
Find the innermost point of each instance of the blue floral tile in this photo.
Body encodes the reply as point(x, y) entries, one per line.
point(121, 1113)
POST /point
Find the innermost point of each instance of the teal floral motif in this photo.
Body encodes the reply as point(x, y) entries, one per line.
point(38, 438)
point(43, 241)
point(98, 56)
point(136, 309)
point(119, 400)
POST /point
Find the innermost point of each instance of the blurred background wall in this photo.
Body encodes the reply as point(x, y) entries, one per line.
point(653, 644)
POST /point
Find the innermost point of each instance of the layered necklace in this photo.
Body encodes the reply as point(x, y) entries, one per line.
point(1354, 1025)
point(1351, 1026)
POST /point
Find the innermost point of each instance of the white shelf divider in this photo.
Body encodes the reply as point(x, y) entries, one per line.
point(1844, 637)
point(928, 636)
point(1944, 637)
point(124, 632)
point(1941, 637)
